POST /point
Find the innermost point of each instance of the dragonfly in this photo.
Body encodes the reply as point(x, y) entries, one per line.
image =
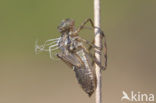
point(74, 53)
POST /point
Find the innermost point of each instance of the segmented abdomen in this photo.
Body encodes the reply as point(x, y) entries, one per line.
point(86, 79)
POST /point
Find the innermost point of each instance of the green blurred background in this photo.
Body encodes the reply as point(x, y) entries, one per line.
point(130, 27)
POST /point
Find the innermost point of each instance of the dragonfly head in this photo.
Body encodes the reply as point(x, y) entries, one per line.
point(66, 25)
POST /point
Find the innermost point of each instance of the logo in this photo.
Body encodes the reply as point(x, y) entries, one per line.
point(137, 97)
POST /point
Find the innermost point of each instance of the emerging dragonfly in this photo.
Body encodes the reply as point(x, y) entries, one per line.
point(74, 53)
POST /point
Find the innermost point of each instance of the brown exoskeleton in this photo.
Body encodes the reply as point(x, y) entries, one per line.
point(75, 54)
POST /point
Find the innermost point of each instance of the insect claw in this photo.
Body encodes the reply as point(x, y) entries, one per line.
point(99, 31)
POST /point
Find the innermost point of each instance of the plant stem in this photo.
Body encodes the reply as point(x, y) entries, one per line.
point(98, 44)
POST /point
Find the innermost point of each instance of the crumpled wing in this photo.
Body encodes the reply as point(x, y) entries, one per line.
point(70, 59)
